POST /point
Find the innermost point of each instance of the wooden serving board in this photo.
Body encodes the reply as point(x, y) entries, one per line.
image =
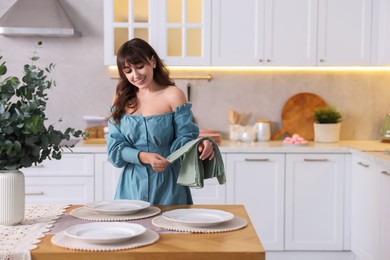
point(298, 115)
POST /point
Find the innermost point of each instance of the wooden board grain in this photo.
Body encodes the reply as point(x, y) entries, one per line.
point(298, 115)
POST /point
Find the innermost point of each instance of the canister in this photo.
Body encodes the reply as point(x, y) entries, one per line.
point(263, 130)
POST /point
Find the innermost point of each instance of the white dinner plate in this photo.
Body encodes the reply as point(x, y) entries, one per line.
point(198, 217)
point(105, 232)
point(118, 207)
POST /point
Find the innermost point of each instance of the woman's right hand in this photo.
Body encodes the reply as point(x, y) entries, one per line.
point(156, 161)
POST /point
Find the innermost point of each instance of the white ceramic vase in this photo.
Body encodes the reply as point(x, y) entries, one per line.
point(327, 133)
point(12, 197)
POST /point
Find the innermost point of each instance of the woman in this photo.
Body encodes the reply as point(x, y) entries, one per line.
point(151, 119)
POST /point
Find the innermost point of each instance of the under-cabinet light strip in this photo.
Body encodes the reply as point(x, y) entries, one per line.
point(268, 68)
point(207, 77)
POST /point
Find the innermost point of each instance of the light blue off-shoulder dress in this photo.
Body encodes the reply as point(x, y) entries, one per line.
point(162, 134)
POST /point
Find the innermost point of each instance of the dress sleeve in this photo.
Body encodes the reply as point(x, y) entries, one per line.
point(185, 129)
point(120, 151)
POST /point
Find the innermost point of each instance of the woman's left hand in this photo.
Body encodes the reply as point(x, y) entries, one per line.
point(206, 150)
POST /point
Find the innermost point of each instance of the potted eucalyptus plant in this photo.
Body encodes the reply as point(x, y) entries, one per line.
point(25, 139)
point(327, 125)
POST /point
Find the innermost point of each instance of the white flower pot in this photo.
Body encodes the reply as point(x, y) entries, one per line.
point(12, 197)
point(327, 133)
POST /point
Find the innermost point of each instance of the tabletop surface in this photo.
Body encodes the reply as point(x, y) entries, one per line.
point(240, 244)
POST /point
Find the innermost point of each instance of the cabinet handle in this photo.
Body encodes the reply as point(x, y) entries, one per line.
point(268, 60)
point(315, 160)
point(257, 160)
point(363, 164)
point(35, 193)
point(260, 60)
point(385, 172)
point(322, 60)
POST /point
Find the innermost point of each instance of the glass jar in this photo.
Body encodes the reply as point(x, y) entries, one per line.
point(263, 130)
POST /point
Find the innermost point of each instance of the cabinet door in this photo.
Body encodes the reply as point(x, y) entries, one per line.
point(314, 202)
point(238, 32)
point(364, 222)
point(344, 33)
point(106, 178)
point(291, 32)
point(384, 214)
point(184, 28)
point(381, 31)
point(211, 193)
point(257, 181)
point(127, 19)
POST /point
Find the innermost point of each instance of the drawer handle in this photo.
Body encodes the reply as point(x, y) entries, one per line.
point(363, 164)
point(257, 160)
point(37, 166)
point(385, 172)
point(35, 193)
point(315, 160)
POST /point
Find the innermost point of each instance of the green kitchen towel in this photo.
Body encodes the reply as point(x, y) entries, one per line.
point(193, 170)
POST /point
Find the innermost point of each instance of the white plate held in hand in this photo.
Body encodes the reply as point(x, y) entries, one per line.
point(198, 217)
point(118, 207)
point(105, 232)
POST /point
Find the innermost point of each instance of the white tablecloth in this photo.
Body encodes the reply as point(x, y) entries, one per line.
point(17, 241)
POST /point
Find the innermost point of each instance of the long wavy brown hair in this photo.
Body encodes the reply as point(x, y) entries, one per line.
point(135, 51)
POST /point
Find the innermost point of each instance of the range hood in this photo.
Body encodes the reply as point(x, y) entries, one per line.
point(37, 18)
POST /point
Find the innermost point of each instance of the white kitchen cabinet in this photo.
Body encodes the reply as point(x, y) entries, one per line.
point(238, 32)
point(291, 33)
point(106, 178)
point(69, 180)
point(364, 222)
point(68, 190)
point(179, 30)
point(257, 182)
point(344, 32)
point(264, 32)
point(384, 213)
point(314, 208)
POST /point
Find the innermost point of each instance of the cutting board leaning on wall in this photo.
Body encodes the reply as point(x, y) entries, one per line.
point(298, 115)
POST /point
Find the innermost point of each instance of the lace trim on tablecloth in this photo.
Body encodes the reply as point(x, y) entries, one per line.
point(17, 241)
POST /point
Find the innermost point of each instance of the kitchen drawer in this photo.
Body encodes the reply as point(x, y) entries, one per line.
point(69, 165)
point(75, 190)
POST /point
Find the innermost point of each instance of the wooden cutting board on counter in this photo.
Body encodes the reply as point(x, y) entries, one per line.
point(298, 115)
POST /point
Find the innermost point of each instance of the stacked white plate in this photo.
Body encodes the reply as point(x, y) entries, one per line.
point(198, 217)
point(118, 207)
point(105, 232)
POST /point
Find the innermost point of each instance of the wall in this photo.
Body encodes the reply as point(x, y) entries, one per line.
point(84, 86)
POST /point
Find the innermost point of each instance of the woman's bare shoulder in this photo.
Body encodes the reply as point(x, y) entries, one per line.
point(175, 97)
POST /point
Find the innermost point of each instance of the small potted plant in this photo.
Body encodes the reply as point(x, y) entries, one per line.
point(25, 139)
point(327, 126)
